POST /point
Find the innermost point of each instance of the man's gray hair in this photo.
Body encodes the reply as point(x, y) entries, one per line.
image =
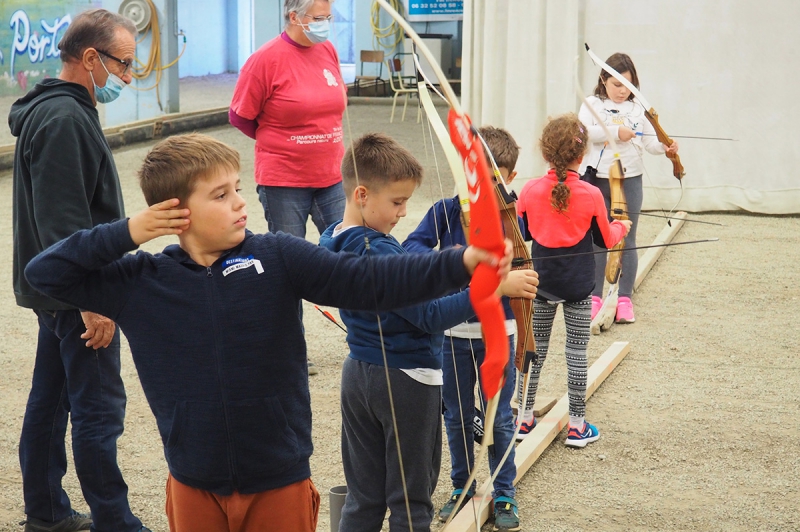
point(298, 6)
point(94, 28)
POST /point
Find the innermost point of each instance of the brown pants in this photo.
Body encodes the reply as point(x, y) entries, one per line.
point(294, 507)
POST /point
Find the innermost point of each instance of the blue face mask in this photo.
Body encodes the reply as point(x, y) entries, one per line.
point(318, 32)
point(111, 91)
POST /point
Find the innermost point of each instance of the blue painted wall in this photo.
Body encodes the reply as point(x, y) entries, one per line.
point(144, 103)
point(206, 25)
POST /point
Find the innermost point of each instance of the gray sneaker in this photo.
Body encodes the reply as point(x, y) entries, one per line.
point(312, 369)
point(450, 506)
point(72, 523)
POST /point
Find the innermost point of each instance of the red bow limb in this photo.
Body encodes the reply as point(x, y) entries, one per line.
point(486, 232)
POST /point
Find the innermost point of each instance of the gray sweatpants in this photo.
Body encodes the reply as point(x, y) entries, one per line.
point(630, 258)
point(369, 450)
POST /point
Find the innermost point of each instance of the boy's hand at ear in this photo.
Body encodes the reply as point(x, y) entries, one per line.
point(519, 283)
point(474, 256)
point(158, 220)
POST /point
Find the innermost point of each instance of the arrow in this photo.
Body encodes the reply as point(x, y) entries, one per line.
point(516, 262)
point(669, 217)
point(330, 317)
point(641, 134)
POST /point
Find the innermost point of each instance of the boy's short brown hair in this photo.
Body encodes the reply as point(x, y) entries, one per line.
point(174, 165)
point(502, 145)
point(375, 160)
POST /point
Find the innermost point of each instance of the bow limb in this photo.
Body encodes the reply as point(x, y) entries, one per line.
point(452, 156)
point(485, 230)
point(649, 112)
point(522, 308)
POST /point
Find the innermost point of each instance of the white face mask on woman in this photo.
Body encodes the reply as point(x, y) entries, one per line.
point(317, 31)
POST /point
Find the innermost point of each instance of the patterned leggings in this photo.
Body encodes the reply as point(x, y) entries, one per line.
point(577, 318)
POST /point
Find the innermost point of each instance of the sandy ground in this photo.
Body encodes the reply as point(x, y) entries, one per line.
point(698, 423)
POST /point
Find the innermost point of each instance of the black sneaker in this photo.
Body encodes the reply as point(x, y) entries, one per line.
point(447, 509)
point(506, 515)
point(72, 523)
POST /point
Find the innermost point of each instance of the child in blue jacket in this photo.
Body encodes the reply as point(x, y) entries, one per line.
point(404, 346)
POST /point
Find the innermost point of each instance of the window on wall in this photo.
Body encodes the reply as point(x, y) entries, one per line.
point(344, 35)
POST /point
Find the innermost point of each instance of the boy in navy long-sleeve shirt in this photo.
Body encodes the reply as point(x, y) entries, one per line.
point(215, 335)
point(404, 345)
point(464, 350)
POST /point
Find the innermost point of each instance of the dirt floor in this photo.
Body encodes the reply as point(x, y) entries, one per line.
point(698, 423)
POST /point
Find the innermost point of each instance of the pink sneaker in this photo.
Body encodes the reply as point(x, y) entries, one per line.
point(625, 310)
point(596, 304)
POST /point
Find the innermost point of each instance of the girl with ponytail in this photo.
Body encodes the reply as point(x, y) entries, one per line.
point(563, 217)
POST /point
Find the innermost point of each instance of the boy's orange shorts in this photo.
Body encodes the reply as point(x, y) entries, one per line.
point(294, 507)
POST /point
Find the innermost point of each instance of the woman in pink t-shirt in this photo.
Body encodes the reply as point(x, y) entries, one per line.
point(290, 97)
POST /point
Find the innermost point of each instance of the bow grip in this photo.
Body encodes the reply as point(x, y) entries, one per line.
point(663, 138)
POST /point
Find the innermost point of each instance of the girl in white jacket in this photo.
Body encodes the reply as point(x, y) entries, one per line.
point(625, 118)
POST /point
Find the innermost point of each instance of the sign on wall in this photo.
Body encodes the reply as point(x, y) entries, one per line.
point(29, 36)
point(432, 10)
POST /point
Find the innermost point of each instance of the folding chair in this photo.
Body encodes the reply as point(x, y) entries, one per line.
point(370, 56)
point(398, 87)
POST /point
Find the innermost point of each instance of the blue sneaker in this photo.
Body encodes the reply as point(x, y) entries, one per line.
point(576, 438)
point(506, 515)
point(525, 429)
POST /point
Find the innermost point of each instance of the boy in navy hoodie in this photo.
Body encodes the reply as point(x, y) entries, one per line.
point(379, 177)
point(464, 350)
point(215, 334)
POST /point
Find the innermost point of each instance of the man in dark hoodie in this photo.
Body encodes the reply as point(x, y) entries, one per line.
point(65, 180)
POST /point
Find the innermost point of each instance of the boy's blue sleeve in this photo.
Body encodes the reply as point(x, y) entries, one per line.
point(428, 234)
point(90, 269)
point(440, 314)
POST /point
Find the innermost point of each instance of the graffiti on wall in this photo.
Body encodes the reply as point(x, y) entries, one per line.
point(29, 36)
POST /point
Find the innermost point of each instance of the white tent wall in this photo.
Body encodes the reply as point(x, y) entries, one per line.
point(720, 68)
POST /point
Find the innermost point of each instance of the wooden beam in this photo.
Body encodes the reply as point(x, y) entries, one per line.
point(605, 318)
point(542, 405)
point(527, 452)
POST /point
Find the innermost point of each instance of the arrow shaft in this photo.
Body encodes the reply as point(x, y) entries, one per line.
point(519, 262)
point(671, 217)
point(640, 134)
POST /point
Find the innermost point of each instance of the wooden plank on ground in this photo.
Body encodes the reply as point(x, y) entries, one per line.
point(541, 406)
point(605, 318)
point(471, 517)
